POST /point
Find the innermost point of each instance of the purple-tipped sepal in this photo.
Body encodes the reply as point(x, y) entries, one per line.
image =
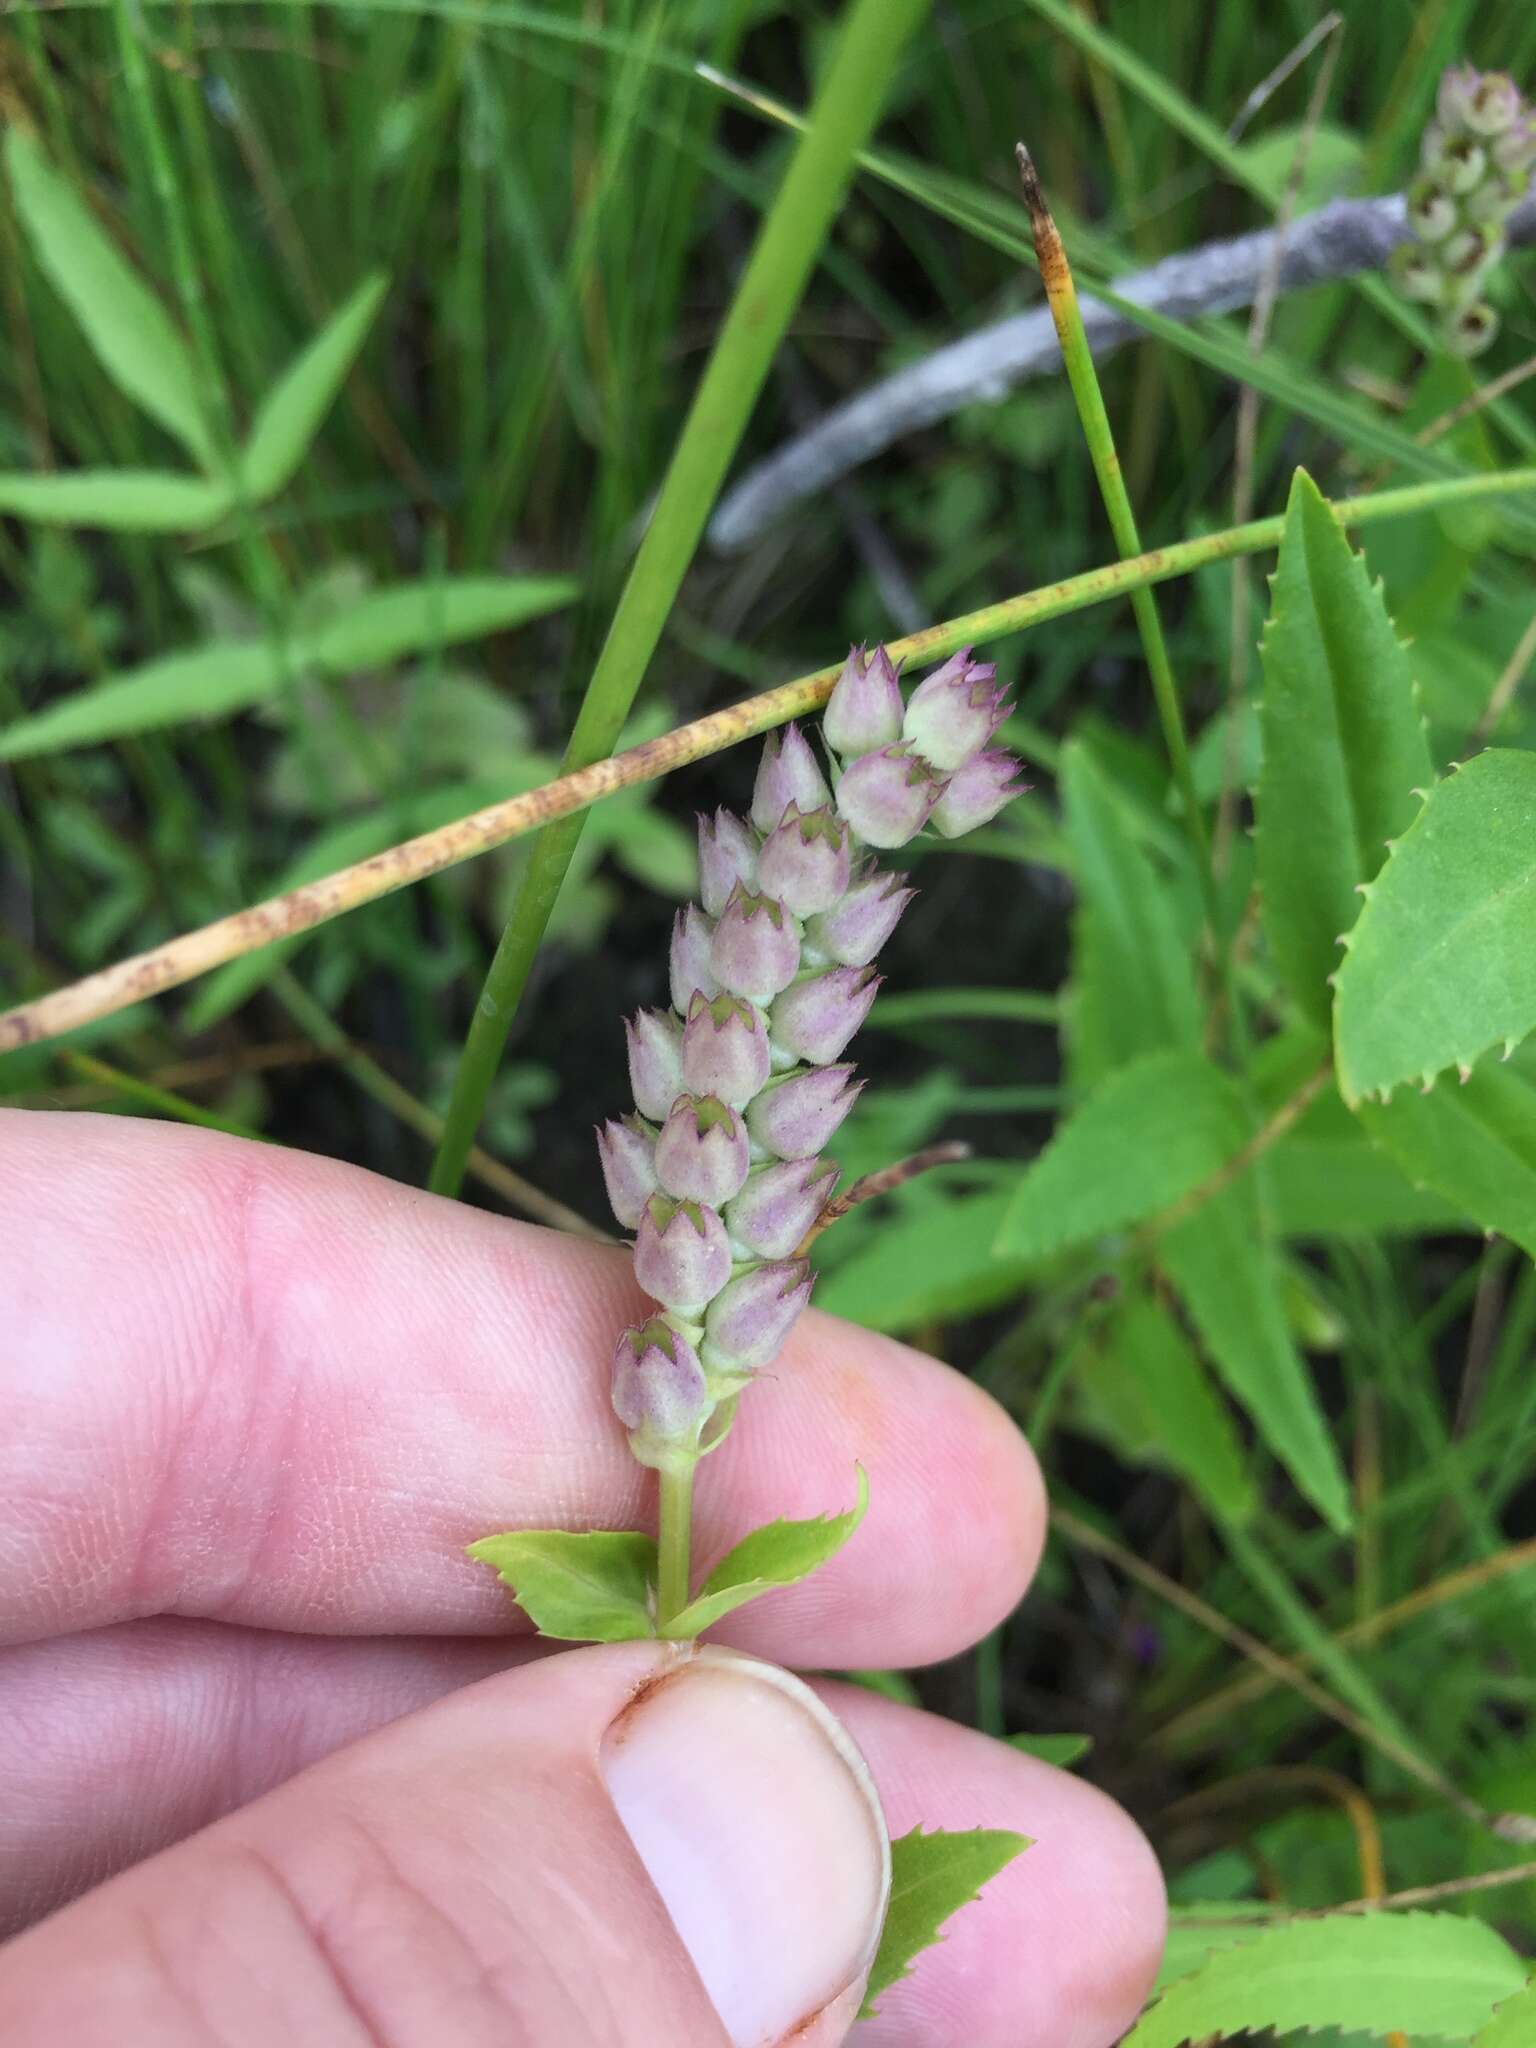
point(725, 1049)
point(627, 1148)
point(749, 1320)
point(701, 1154)
point(887, 796)
point(865, 709)
point(954, 712)
point(778, 1205)
point(692, 934)
point(805, 861)
point(977, 792)
point(660, 1394)
point(815, 1019)
point(756, 948)
point(853, 931)
point(794, 1117)
point(727, 855)
point(787, 774)
point(655, 1042)
point(682, 1254)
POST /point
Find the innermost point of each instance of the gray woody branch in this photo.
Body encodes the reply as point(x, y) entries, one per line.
point(1339, 239)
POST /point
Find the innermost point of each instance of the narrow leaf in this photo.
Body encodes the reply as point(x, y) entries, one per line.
point(778, 1554)
point(203, 682)
point(932, 1877)
point(1227, 1278)
point(116, 500)
point(1343, 745)
point(578, 1588)
point(1149, 1134)
point(1514, 2024)
point(289, 416)
point(1060, 1750)
point(127, 327)
point(1432, 1975)
point(1474, 1144)
point(413, 618)
point(1442, 964)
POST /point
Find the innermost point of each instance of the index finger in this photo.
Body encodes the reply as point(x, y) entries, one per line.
point(255, 1386)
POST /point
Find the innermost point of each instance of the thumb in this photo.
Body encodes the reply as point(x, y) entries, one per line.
point(621, 1845)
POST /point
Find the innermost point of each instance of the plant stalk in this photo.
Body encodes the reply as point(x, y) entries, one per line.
point(673, 1536)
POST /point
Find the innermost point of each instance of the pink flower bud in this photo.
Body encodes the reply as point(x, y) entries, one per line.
point(659, 1390)
point(627, 1149)
point(682, 1254)
point(727, 855)
point(864, 709)
point(701, 1155)
point(787, 774)
point(954, 712)
point(725, 1049)
point(796, 1115)
point(887, 796)
point(1493, 104)
point(779, 1204)
point(1454, 98)
point(977, 792)
point(747, 1322)
point(815, 1019)
point(655, 1042)
point(853, 931)
point(756, 949)
point(805, 860)
point(692, 933)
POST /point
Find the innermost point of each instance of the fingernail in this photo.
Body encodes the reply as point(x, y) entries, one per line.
point(758, 1824)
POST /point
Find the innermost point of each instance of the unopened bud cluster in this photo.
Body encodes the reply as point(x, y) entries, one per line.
point(740, 1085)
point(1474, 167)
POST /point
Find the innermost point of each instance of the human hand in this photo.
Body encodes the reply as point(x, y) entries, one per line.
point(255, 1404)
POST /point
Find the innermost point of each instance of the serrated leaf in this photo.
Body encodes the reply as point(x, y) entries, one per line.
point(779, 1554)
point(1475, 1144)
point(204, 682)
point(1426, 1974)
point(413, 618)
point(117, 500)
point(577, 1588)
point(1229, 1281)
point(128, 329)
point(1442, 964)
point(932, 1877)
point(1514, 2023)
point(1343, 743)
point(289, 416)
point(1060, 1750)
point(1150, 1133)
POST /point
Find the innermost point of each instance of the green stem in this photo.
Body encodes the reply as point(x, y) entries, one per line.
point(672, 1545)
point(767, 295)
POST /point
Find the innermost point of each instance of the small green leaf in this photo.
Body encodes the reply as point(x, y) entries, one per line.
point(578, 1588)
point(932, 1877)
point(1060, 1750)
point(1474, 1144)
point(1442, 964)
point(117, 500)
point(204, 682)
point(1344, 745)
point(289, 417)
point(1514, 2024)
point(1426, 1974)
point(778, 1554)
point(125, 324)
point(414, 618)
point(1149, 1134)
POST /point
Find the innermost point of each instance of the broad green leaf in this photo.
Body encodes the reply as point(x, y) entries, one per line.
point(289, 416)
point(1144, 1378)
point(117, 500)
point(936, 1258)
point(1228, 1280)
point(203, 682)
point(1343, 745)
point(1442, 964)
point(125, 324)
point(1149, 1134)
point(932, 1877)
point(1060, 1750)
point(413, 618)
point(1475, 1144)
point(1430, 1975)
point(1347, 1187)
point(778, 1554)
point(1514, 2024)
point(1133, 990)
point(578, 1588)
